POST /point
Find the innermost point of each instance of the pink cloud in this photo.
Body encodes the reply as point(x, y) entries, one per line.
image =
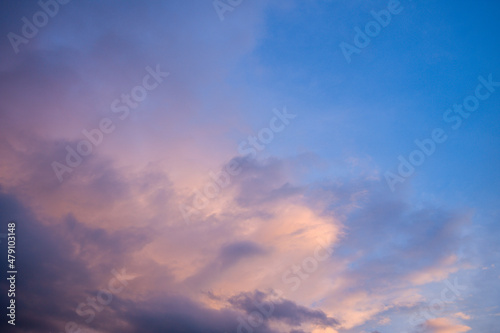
point(444, 325)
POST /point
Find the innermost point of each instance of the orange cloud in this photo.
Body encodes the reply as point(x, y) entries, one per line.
point(444, 325)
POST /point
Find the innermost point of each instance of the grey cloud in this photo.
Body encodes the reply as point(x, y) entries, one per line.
point(281, 310)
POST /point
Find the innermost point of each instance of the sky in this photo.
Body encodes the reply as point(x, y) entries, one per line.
point(241, 166)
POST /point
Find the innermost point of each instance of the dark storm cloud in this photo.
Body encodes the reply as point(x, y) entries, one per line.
point(174, 314)
point(54, 273)
point(50, 274)
point(170, 313)
point(281, 310)
point(232, 253)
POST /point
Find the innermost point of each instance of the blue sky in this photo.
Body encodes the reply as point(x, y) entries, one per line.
point(395, 91)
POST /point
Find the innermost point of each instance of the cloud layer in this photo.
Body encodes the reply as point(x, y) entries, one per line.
point(304, 237)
